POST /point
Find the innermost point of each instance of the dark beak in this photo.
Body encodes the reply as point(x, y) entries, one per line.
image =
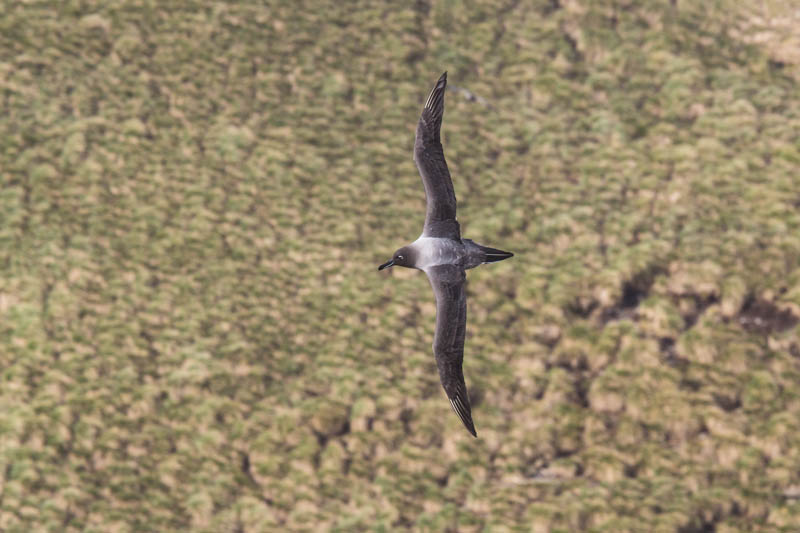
point(387, 264)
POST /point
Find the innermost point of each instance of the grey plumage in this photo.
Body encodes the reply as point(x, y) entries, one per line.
point(440, 217)
point(449, 286)
point(443, 255)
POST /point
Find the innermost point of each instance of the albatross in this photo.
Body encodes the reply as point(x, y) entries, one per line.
point(443, 255)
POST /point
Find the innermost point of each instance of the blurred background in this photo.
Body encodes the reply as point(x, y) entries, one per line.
point(195, 198)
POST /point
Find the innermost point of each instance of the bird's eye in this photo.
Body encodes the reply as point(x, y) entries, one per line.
point(399, 257)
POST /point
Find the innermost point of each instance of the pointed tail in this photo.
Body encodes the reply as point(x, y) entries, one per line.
point(493, 255)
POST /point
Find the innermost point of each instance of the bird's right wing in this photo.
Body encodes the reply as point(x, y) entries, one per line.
point(449, 286)
point(440, 218)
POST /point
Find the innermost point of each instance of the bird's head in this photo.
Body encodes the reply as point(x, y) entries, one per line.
point(404, 257)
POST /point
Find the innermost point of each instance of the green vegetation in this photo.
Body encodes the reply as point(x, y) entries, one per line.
point(193, 334)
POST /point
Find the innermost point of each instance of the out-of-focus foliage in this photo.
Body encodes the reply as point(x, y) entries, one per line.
point(195, 197)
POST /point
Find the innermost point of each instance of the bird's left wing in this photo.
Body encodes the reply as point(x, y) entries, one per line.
point(449, 286)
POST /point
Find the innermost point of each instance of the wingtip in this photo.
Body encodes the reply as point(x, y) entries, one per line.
point(464, 414)
point(471, 429)
point(436, 97)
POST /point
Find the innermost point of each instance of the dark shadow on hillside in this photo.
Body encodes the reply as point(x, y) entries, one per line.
point(761, 316)
point(634, 291)
point(701, 303)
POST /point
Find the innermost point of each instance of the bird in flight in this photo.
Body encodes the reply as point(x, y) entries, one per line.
point(443, 255)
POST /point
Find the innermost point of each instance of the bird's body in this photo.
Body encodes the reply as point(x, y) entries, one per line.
point(443, 255)
point(434, 251)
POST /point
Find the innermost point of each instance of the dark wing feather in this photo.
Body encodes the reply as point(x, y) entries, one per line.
point(440, 218)
point(449, 286)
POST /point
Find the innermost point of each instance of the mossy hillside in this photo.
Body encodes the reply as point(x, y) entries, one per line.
point(195, 200)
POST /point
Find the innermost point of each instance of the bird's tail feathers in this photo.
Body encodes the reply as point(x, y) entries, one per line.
point(492, 255)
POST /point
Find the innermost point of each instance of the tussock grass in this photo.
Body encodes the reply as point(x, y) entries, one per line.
point(194, 336)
